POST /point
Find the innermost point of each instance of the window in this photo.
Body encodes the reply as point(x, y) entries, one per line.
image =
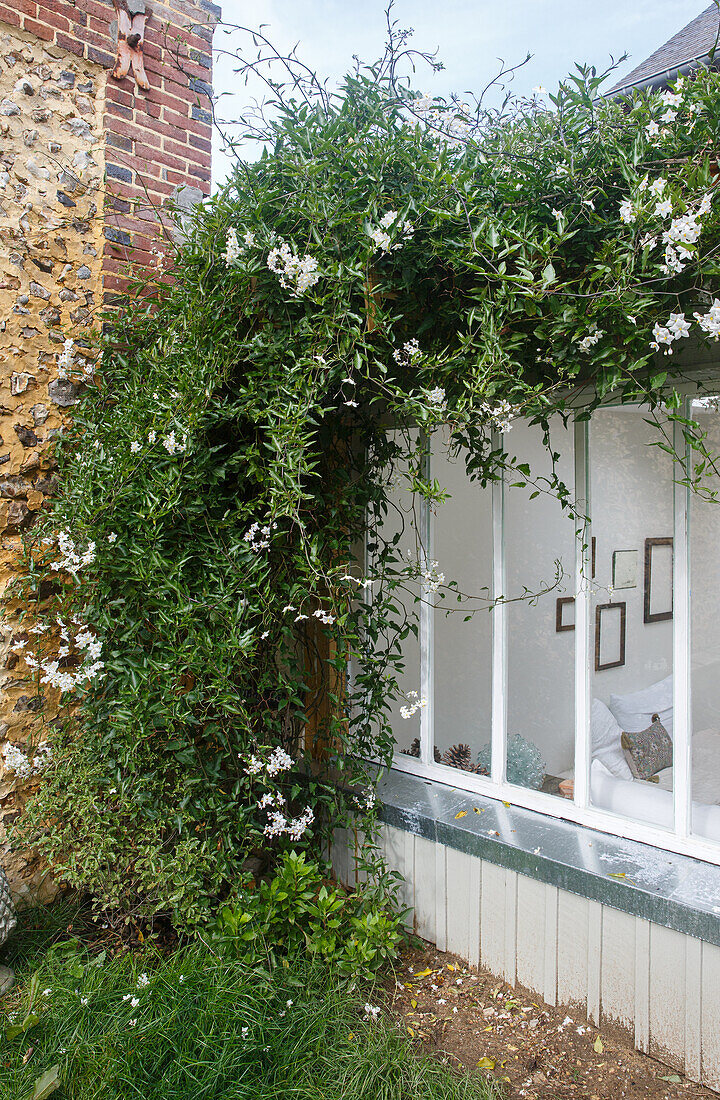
point(579, 672)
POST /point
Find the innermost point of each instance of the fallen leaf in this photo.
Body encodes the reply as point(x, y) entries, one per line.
point(598, 1045)
point(507, 803)
point(476, 811)
point(486, 1063)
point(423, 973)
point(616, 874)
point(673, 1078)
point(47, 1084)
point(463, 813)
point(413, 1003)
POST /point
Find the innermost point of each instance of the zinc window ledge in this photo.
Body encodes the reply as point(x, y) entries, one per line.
point(667, 888)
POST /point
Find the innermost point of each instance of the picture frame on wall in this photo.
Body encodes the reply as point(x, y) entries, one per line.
point(624, 569)
point(610, 621)
point(658, 585)
point(564, 613)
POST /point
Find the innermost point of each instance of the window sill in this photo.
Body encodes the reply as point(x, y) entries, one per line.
point(670, 889)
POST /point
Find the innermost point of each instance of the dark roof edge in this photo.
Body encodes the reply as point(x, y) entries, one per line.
point(662, 76)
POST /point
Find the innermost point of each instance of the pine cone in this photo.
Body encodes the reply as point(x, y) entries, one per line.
point(459, 756)
point(7, 909)
point(414, 750)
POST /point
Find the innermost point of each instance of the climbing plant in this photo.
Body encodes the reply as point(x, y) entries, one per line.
point(391, 265)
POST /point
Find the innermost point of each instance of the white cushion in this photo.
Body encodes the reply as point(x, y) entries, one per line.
point(605, 744)
point(646, 802)
point(634, 712)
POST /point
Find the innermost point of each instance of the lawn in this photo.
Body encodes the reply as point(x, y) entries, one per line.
point(190, 1025)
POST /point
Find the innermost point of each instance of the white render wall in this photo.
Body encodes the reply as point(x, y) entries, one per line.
point(661, 986)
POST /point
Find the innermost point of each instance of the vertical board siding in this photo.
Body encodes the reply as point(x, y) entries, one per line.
point(594, 961)
point(572, 976)
point(549, 986)
point(531, 933)
point(492, 918)
point(642, 985)
point(660, 985)
point(617, 982)
point(667, 995)
point(710, 1033)
point(425, 888)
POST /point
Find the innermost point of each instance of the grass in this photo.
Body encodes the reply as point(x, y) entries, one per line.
point(206, 1029)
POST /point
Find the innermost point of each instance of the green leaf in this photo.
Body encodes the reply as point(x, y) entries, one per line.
point(46, 1084)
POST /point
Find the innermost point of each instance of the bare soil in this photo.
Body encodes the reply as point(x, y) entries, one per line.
point(468, 1018)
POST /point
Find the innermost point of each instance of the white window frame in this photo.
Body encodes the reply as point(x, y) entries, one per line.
point(679, 839)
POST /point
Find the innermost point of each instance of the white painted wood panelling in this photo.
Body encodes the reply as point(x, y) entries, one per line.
point(617, 981)
point(662, 986)
point(667, 995)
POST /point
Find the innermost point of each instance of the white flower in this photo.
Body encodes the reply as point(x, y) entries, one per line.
point(132, 1023)
point(152, 436)
point(670, 99)
point(249, 238)
point(392, 232)
point(648, 241)
point(142, 981)
point(112, 537)
point(705, 204)
point(437, 396)
point(134, 447)
point(652, 130)
point(254, 766)
point(658, 186)
point(593, 335)
point(371, 1012)
point(172, 445)
point(279, 761)
point(678, 326)
point(627, 214)
point(83, 1000)
point(409, 354)
point(415, 703)
point(66, 359)
point(539, 90)
point(296, 274)
point(669, 116)
point(663, 209)
point(47, 992)
point(245, 1032)
point(232, 248)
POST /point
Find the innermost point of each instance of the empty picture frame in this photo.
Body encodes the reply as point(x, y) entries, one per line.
point(624, 568)
point(564, 613)
point(610, 635)
point(658, 593)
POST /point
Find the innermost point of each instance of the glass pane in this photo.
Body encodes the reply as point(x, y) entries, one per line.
point(540, 583)
point(705, 631)
point(462, 621)
point(631, 615)
point(397, 547)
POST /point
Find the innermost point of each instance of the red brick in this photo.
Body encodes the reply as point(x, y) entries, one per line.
point(201, 143)
point(120, 111)
point(177, 149)
point(97, 10)
point(116, 93)
point(26, 7)
point(100, 57)
point(70, 44)
point(41, 30)
point(132, 130)
point(55, 20)
point(8, 16)
point(184, 123)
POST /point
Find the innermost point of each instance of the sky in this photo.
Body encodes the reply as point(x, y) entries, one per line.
point(470, 35)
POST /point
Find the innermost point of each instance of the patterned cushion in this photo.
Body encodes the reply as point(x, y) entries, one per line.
point(648, 751)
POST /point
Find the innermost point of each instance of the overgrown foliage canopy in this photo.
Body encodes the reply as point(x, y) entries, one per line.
point(389, 260)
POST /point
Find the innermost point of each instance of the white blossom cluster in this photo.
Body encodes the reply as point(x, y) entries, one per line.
point(172, 445)
point(297, 274)
point(453, 124)
point(670, 102)
point(295, 828)
point(392, 232)
point(710, 322)
point(593, 335)
point(408, 354)
point(81, 644)
point(72, 558)
point(278, 761)
point(414, 703)
point(68, 364)
point(324, 616)
point(501, 415)
point(664, 335)
point(432, 577)
point(368, 582)
point(233, 248)
point(436, 397)
point(371, 1012)
point(23, 766)
point(258, 537)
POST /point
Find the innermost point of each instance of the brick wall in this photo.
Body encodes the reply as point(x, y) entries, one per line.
point(88, 166)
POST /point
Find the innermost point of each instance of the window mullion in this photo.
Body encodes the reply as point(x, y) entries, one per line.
point(427, 678)
point(499, 631)
point(583, 594)
point(682, 710)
